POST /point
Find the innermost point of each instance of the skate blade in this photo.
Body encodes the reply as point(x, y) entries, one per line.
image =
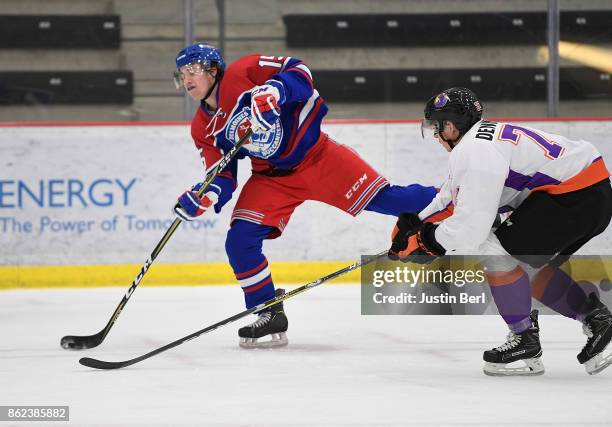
point(532, 367)
point(597, 364)
point(276, 340)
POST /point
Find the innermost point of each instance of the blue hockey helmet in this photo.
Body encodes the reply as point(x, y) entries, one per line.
point(202, 53)
point(205, 56)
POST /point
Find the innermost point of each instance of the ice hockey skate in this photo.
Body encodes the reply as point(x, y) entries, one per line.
point(597, 326)
point(524, 347)
point(271, 322)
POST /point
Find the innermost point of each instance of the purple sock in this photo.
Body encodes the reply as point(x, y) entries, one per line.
point(554, 288)
point(512, 295)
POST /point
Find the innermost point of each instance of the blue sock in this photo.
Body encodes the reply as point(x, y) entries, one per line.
point(244, 250)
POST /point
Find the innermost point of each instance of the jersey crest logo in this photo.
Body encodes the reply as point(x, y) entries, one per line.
point(263, 144)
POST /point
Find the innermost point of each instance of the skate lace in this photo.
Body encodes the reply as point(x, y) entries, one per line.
point(512, 340)
point(586, 329)
point(263, 319)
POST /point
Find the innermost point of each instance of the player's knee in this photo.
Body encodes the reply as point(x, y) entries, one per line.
point(233, 243)
point(242, 237)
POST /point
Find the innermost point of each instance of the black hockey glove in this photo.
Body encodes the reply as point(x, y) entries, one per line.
point(407, 224)
point(414, 241)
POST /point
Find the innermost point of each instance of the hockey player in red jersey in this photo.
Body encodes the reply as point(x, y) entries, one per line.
point(559, 193)
point(291, 160)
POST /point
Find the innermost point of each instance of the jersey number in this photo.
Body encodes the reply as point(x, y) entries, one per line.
point(513, 134)
point(271, 61)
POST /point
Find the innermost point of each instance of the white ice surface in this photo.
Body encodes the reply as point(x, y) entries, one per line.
point(340, 368)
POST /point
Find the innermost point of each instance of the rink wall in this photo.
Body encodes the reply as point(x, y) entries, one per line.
point(85, 205)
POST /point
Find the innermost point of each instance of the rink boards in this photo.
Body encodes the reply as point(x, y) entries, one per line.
point(86, 205)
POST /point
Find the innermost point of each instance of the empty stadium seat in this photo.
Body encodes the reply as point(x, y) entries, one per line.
point(60, 31)
point(65, 87)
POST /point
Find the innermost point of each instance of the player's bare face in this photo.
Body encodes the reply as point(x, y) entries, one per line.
point(196, 80)
point(449, 133)
point(442, 142)
point(430, 132)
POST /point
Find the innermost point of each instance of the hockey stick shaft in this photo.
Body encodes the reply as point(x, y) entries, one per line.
point(81, 342)
point(100, 364)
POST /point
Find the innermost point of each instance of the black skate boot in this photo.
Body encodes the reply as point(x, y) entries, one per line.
point(272, 321)
point(597, 326)
point(518, 347)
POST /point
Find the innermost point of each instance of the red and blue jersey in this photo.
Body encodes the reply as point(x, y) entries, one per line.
point(294, 133)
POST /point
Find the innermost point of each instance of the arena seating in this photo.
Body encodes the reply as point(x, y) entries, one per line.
point(404, 65)
point(442, 29)
point(60, 31)
point(436, 30)
point(497, 84)
point(66, 87)
point(63, 32)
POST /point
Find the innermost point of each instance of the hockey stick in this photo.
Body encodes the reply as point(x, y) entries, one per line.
point(74, 342)
point(101, 364)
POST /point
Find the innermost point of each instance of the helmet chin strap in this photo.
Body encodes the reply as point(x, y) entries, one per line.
point(214, 85)
point(450, 143)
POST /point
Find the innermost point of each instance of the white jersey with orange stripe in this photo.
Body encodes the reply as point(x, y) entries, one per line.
point(494, 167)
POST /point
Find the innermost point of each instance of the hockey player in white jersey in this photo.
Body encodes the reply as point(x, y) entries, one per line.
point(559, 193)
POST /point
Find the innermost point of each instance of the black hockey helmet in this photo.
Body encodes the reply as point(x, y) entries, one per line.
point(458, 105)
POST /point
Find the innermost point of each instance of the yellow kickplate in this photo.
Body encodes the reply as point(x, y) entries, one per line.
point(78, 276)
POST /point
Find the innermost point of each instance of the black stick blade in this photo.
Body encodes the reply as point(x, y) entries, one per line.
point(74, 342)
point(100, 364)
